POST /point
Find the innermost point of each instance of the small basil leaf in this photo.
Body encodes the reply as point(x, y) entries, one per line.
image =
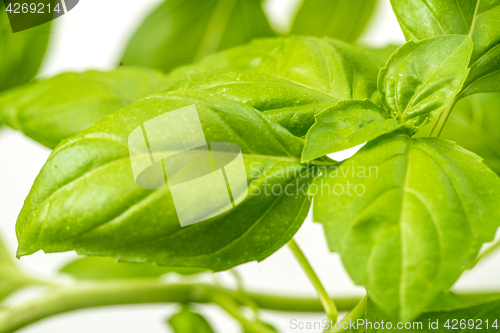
point(51, 110)
point(478, 19)
point(178, 32)
point(110, 215)
point(21, 53)
point(344, 20)
point(418, 211)
point(326, 65)
point(187, 321)
point(347, 124)
point(421, 79)
point(11, 279)
point(101, 268)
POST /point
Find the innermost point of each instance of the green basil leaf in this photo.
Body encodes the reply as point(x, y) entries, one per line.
point(110, 215)
point(417, 212)
point(11, 279)
point(285, 102)
point(21, 53)
point(51, 110)
point(179, 32)
point(347, 124)
point(101, 268)
point(478, 19)
point(288, 79)
point(474, 124)
point(329, 66)
point(421, 79)
point(187, 321)
point(344, 20)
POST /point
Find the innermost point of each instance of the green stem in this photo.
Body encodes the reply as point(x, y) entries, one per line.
point(81, 296)
point(357, 313)
point(326, 301)
point(233, 308)
point(442, 119)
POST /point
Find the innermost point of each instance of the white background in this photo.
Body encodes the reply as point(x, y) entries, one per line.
point(93, 36)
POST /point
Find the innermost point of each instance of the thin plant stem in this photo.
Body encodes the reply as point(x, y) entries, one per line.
point(63, 299)
point(233, 309)
point(442, 119)
point(357, 313)
point(326, 301)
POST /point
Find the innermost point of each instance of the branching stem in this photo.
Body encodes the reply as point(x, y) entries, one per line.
point(64, 299)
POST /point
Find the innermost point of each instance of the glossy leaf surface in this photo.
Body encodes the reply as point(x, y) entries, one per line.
point(51, 110)
point(86, 199)
point(289, 79)
point(418, 212)
point(329, 66)
point(347, 124)
point(478, 19)
point(421, 79)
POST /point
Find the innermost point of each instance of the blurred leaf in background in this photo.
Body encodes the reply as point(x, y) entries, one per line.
point(21, 53)
point(178, 32)
point(51, 110)
point(340, 19)
point(103, 268)
point(11, 278)
point(474, 125)
point(187, 321)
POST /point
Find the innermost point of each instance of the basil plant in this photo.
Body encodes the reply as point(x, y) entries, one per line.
point(412, 210)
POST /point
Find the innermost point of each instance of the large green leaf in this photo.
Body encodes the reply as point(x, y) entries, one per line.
point(54, 109)
point(474, 124)
point(347, 124)
point(86, 199)
point(421, 79)
point(11, 278)
point(187, 321)
point(101, 268)
point(285, 102)
point(21, 53)
point(418, 211)
point(289, 79)
point(184, 31)
point(344, 20)
point(329, 66)
point(480, 19)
